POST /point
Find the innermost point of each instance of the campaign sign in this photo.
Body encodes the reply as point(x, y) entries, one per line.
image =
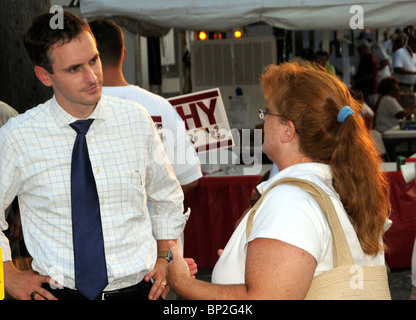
point(205, 119)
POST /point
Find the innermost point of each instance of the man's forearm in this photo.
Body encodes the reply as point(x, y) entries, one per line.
point(163, 245)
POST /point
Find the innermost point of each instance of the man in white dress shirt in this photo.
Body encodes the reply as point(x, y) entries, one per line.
point(129, 164)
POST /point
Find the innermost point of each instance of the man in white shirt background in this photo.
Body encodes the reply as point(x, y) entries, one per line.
point(404, 65)
point(110, 43)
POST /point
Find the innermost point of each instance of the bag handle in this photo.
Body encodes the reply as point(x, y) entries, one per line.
point(342, 252)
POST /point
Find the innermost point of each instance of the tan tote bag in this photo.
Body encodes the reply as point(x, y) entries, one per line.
point(346, 281)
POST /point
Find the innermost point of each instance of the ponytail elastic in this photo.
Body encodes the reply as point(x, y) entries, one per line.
point(344, 113)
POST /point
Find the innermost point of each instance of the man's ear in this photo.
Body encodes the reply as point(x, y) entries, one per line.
point(43, 75)
point(124, 54)
point(289, 132)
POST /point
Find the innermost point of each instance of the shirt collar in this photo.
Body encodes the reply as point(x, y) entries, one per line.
point(63, 118)
point(312, 171)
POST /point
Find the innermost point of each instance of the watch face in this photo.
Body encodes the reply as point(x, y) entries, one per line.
point(169, 256)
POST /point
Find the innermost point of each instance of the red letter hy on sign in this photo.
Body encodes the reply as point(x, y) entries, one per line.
point(193, 102)
point(194, 115)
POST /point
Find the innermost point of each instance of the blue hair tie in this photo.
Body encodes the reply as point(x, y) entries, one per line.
point(344, 113)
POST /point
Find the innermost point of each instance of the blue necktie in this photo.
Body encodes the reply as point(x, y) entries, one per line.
point(90, 266)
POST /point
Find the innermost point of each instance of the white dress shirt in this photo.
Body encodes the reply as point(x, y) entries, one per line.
point(130, 168)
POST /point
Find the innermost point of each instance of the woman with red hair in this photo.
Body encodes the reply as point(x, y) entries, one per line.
point(314, 131)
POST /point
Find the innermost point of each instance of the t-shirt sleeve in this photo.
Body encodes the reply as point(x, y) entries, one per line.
point(181, 153)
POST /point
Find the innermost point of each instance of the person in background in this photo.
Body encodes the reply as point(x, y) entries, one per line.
point(404, 65)
point(369, 116)
point(322, 58)
point(110, 43)
point(399, 40)
point(388, 112)
point(290, 241)
point(384, 60)
point(388, 43)
point(367, 112)
point(365, 79)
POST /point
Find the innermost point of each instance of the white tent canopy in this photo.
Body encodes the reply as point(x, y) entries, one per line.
point(227, 14)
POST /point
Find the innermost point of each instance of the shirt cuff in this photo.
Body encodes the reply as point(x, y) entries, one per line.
point(171, 227)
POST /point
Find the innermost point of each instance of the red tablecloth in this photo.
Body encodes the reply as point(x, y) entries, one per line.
point(400, 237)
point(218, 202)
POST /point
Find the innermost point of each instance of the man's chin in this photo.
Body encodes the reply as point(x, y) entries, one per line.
point(93, 98)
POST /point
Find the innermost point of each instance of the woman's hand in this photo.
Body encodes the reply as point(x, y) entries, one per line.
point(179, 270)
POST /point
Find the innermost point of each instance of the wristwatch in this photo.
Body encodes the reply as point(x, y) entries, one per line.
point(165, 254)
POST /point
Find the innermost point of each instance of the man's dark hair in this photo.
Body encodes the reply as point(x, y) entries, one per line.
point(40, 38)
point(110, 41)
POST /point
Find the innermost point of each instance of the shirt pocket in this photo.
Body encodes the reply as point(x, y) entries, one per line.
point(133, 191)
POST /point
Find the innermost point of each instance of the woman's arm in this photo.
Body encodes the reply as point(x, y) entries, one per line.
point(274, 270)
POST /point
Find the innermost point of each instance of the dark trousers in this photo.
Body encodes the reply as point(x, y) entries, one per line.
point(139, 291)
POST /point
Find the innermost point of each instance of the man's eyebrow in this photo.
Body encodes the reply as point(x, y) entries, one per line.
point(97, 55)
point(75, 66)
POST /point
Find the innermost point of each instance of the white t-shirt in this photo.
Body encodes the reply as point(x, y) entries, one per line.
point(171, 128)
point(403, 59)
point(291, 215)
point(386, 110)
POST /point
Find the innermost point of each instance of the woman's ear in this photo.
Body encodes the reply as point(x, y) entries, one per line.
point(43, 76)
point(289, 132)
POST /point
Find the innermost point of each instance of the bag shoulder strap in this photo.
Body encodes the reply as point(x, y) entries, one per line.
point(342, 252)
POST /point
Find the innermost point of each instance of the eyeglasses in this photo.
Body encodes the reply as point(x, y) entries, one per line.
point(263, 111)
